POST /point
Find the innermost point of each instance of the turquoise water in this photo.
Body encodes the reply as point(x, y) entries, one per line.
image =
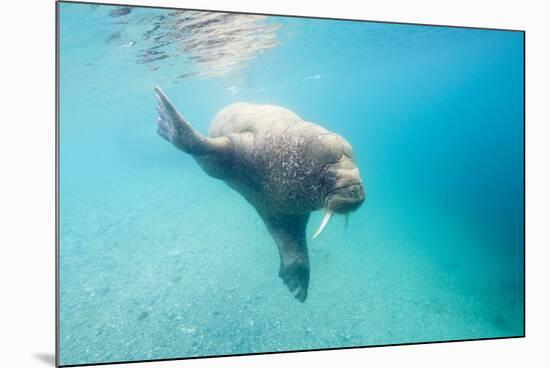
point(158, 260)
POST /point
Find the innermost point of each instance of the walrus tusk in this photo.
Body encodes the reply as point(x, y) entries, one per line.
point(324, 223)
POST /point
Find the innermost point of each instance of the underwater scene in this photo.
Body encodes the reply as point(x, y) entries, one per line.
point(368, 189)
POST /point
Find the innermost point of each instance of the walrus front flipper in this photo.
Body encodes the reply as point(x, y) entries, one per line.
point(174, 128)
point(289, 232)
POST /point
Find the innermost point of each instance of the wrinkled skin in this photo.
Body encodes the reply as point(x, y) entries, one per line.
point(284, 167)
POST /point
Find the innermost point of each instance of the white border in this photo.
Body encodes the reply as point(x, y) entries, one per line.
point(27, 162)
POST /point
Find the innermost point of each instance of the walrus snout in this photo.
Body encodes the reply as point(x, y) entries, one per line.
point(344, 191)
point(345, 199)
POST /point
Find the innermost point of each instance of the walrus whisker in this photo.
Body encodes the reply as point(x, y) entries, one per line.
point(324, 223)
point(346, 220)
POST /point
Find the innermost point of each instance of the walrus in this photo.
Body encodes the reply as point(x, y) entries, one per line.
point(283, 166)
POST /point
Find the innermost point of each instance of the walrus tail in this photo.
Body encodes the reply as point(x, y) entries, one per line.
point(173, 127)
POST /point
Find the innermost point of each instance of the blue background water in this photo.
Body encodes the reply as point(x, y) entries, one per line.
point(157, 260)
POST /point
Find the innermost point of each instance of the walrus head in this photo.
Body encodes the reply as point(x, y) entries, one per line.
point(342, 188)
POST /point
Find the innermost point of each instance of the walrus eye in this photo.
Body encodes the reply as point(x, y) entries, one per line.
point(324, 223)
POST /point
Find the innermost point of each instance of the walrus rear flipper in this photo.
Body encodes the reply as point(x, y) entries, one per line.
point(289, 232)
point(174, 128)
